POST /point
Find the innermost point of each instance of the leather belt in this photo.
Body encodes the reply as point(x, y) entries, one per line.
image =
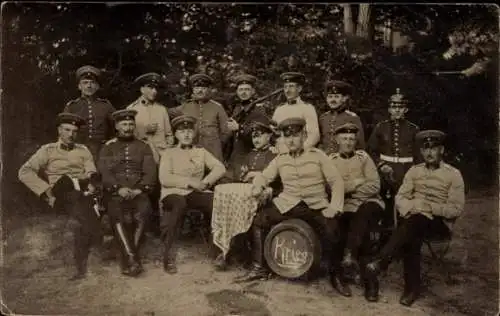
point(396, 159)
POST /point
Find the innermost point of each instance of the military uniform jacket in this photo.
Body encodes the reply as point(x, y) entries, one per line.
point(178, 166)
point(440, 191)
point(97, 113)
point(392, 140)
point(152, 114)
point(255, 160)
point(304, 178)
point(127, 163)
point(212, 130)
point(329, 121)
point(303, 110)
point(359, 166)
point(56, 162)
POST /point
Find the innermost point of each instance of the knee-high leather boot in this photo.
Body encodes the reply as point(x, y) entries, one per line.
point(258, 270)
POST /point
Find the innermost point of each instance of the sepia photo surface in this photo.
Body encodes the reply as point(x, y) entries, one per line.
point(220, 159)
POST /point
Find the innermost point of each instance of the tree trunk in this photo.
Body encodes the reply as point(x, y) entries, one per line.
point(362, 29)
point(349, 27)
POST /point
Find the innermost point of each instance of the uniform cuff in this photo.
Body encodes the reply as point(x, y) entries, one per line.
point(114, 188)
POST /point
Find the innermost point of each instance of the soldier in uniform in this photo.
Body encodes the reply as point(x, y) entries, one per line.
point(431, 197)
point(241, 143)
point(295, 107)
point(212, 120)
point(129, 174)
point(392, 146)
point(253, 164)
point(305, 174)
point(184, 184)
point(338, 96)
point(70, 180)
point(362, 208)
point(153, 127)
point(96, 112)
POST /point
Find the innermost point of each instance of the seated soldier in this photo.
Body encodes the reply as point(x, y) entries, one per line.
point(128, 174)
point(304, 174)
point(184, 185)
point(431, 197)
point(253, 164)
point(70, 171)
point(362, 207)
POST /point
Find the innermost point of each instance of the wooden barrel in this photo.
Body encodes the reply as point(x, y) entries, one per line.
point(292, 249)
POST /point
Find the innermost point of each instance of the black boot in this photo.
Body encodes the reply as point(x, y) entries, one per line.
point(412, 282)
point(409, 297)
point(169, 260)
point(371, 289)
point(257, 271)
point(339, 283)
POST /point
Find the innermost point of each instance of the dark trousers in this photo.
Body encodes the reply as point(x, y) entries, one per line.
point(174, 210)
point(128, 219)
point(354, 229)
point(407, 241)
point(85, 223)
point(324, 227)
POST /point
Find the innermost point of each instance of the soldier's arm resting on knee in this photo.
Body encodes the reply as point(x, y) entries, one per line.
point(217, 169)
point(167, 177)
point(371, 182)
point(336, 183)
point(28, 173)
point(404, 200)
point(267, 176)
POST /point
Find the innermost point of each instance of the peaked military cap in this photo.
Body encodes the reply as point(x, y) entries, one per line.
point(183, 122)
point(70, 118)
point(200, 80)
point(430, 138)
point(292, 125)
point(398, 98)
point(87, 72)
point(124, 115)
point(244, 79)
point(297, 77)
point(346, 128)
point(263, 123)
point(150, 79)
point(338, 87)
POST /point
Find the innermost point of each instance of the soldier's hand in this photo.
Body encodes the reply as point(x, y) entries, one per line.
point(197, 185)
point(124, 192)
point(274, 150)
point(170, 140)
point(151, 128)
point(233, 125)
point(49, 197)
point(421, 206)
point(256, 190)
point(134, 193)
point(91, 189)
point(386, 169)
point(249, 176)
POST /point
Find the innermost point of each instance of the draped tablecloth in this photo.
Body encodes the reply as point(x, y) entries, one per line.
point(234, 208)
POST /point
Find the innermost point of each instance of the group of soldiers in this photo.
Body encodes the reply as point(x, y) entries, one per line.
point(148, 160)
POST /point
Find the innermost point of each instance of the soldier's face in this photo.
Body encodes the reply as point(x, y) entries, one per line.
point(260, 139)
point(185, 136)
point(67, 133)
point(88, 87)
point(292, 90)
point(336, 100)
point(200, 93)
point(245, 91)
point(125, 128)
point(397, 111)
point(149, 92)
point(295, 141)
point(432, 155)
point(346, 142)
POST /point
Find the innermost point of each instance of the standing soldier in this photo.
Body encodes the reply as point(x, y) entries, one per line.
point(392, 146)
point(153, 127)
point(152, 120)
point(295, 107)
point(128, 174)
point(96, 112)
point(338, 96)
point(70, 180)
point(212, 120)
point(241, 144)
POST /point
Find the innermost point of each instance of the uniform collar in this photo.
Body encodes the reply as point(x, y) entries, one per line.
point(89, 99)
point(297, 153)
point(125, 139)
point(142, 101)
point(347, 155)
point(298, 100)
point(66, 147)
point(185, 146)
point(265, 148)
point(337, 111)
point(439, 166)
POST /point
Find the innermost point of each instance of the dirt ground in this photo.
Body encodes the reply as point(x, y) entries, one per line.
point(37, 263)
